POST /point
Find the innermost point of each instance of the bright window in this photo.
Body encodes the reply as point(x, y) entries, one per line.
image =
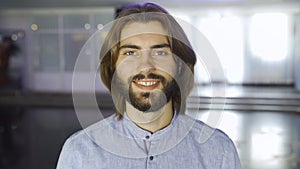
point(225, 33)
point(268, 36)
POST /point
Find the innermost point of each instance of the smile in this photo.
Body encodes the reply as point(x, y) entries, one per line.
point(147, 84)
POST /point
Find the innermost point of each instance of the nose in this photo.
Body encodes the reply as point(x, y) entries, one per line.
point(146, 62)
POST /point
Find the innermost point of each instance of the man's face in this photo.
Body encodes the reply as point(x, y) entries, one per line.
point(145, 66)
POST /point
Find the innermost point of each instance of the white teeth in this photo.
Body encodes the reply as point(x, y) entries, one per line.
point(146, 83)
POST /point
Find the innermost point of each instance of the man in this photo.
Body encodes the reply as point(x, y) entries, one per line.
point(147, 63)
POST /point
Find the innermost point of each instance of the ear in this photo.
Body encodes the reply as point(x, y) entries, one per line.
point(179, 67)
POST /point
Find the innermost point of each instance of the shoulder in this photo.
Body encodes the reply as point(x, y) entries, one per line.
point(207, 135)
point(213, 143)
point(84, 138)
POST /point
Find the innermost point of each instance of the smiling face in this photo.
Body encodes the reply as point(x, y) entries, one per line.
point(145, 66)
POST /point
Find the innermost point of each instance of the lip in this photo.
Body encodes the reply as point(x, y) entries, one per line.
point(146, 84)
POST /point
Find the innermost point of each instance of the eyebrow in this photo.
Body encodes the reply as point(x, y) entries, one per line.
point(163, 45)
point(130, 46)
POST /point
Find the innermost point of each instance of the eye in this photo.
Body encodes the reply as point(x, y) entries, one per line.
point(161, 53)
point(129, 53)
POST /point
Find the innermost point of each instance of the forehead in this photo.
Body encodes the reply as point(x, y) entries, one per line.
point(141, 28)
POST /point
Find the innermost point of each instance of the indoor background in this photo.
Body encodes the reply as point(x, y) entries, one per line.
point(257, 42)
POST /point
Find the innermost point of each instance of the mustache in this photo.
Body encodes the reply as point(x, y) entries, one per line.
point(149, 76)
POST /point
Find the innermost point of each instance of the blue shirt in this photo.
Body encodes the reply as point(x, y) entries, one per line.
point(120, 144)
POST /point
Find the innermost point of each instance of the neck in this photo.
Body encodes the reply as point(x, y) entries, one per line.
point(151, 121)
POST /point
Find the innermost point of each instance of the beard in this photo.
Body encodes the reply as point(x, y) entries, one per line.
point(147, 101)
point(152, 100)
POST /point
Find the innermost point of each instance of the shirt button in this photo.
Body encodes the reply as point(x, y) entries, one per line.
point(151, 158)
point(147, 137)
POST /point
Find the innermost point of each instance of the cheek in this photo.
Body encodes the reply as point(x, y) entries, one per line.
point(124, 69)
point(168, 66)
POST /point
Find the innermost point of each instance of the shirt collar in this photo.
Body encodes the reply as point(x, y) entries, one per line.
point(136, 132)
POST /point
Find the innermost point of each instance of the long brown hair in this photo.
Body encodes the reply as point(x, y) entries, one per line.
point(179, 43)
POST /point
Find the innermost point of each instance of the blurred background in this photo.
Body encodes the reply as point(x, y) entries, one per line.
point(257, 42)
